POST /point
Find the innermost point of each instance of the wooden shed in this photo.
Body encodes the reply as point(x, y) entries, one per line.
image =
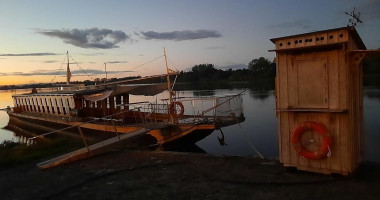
point(319, 100)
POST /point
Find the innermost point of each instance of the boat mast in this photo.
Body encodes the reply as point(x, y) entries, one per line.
point(171, 116)
point(105, 69)
point(68, 74)
point(168, 79)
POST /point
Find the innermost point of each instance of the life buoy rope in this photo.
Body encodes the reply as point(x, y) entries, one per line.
point(324, 149)
point(173, 109)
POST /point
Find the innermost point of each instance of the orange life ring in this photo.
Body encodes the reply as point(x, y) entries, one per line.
point(173, 109)
point(323, 151)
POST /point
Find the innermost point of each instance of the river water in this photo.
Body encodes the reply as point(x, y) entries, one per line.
point(258, 131)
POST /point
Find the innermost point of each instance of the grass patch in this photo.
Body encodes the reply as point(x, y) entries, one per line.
point(12, 153)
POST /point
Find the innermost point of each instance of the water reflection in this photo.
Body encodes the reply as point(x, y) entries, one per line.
point(372, 93)
point(5, 134)
point(17, 134)
point(259, 95)
point(371, 108)
point(200, 93)
point(221, 139)
point(258, 129)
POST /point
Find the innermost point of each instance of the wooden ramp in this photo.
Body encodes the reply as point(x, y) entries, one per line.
point(89, 151)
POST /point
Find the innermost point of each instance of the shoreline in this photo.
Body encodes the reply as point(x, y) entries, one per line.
point(138, 174)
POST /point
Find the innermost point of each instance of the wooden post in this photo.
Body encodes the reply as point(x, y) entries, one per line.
point(84, 140)
point(171, 116)
point(114, 126)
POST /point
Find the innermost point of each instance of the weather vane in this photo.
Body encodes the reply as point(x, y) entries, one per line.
point(355, 18)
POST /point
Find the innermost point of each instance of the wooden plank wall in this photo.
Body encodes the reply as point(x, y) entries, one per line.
point(45, 104)
point(344, 93)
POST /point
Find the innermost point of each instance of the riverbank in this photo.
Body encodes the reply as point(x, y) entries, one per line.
point(123, 174)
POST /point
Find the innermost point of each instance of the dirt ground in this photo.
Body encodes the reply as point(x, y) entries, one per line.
point(123, 174)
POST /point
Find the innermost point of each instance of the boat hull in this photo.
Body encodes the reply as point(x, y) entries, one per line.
point(167, 136)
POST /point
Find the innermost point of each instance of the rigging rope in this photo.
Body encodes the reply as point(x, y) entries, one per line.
point(250, 143)
point(81, 68)
point(172, 63)
point(252, 146)
point(140, 65)
point(58, 70)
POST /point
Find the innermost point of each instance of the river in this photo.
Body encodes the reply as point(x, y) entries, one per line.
point(259, 130)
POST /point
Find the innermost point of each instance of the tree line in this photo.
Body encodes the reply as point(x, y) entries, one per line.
point(260, 69)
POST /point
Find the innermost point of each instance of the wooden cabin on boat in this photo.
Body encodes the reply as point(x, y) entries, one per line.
point(83, 103)
point(319, 100)
point(55, 103)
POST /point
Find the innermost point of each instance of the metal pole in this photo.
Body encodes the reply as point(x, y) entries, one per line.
point(68, 73)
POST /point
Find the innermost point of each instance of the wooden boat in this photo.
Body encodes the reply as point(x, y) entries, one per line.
point(106, 110)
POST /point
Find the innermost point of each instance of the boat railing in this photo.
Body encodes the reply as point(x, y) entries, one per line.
point(109, 118)
point(196, 109)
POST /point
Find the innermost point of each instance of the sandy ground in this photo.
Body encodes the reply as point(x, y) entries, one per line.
point(123, 174)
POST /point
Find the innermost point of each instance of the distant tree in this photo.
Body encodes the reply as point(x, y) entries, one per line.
point(88, 82)
point(203, 68)
point(203, 71)
point(259, 65)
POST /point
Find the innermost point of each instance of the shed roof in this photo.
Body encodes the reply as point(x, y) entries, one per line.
point(350, 29)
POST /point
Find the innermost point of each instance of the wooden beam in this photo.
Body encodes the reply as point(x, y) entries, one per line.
point(359, 55)
point(311, 110)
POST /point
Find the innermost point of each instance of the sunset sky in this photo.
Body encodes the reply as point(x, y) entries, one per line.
point(35, 35)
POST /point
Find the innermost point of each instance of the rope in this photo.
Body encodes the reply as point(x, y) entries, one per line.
point(176, 69)
point(58, 70)
point(250, 143)
point(81, 68)
point(174, 81)
point(329, 153)
point(87, 122)
point(140, 65)
point(172, 63)
point(252, 146)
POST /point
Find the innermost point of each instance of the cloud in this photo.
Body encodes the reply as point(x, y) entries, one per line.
point(92, 54)
point(304, 24)
point(30, 54)
point(115, 62)
point(88, 38)
point(180, 35)
point(50, 61)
